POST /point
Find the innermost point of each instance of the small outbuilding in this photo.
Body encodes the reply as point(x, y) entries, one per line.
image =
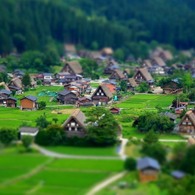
point(178, 174)
point(148, 169)
point(28, 131)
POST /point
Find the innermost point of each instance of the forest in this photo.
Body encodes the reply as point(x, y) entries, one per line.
point(131, 25)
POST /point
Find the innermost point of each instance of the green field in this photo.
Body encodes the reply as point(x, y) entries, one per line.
point(13, 117)
point(39, 175)
point(102, 151)
point(42, 89)
point(146, 101)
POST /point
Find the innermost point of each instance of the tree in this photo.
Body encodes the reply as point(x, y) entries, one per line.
point(42, 122)
point(102, 128)
point(143, 87)
point(130, 164)
point(42, 105)
point(55, 120)
point(153, 121)
point(123, 85)
point(7, 136)
point(187, 81)
point(151, 137)
point(52, 135)
point(26, 81)
point(27, 141)
point(156, 151)
point(189, 161)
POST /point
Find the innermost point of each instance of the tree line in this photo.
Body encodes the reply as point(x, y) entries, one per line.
point(35, 24)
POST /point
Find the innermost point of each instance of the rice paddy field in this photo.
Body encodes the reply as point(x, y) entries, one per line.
point(32, 173)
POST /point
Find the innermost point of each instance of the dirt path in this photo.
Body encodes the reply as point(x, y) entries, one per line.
point(58, 155)
point(105, 183)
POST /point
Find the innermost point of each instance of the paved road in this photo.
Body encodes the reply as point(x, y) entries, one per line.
point(172, 140)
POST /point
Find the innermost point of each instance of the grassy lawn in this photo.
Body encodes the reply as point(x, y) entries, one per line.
point(104, 151)
point(59, 176)
point(146, 101)
point(94, 85)
point(13, 118)
point(36, 92)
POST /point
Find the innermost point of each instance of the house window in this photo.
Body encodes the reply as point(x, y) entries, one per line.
point(189, 123)
point(69, 128)
point(73, 124)
point(98, 93)
point(102, 94)
point(184, 123)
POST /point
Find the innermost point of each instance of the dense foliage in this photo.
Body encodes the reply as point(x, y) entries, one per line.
point(102, 129)
point(129, 24)
point(153, 121)
point(7, 136)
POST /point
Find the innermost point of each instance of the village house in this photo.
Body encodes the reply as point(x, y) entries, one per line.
point(177, 174)
point(4, 94)
point(75, 124)
point(67, 97)
point(166, 55)
point(110, 67)
point(187, 123)
point(102, 95)
point(66, 77)
point(131, 84)
point(156, 70)
point(148, 169)
point(28, 131)
point(18, 73)
point(126, 73)
point(73, 67)
point(147, 64)
point(84, 101)
point(11, 102)
point(6, 99)
point(107, 51)
point(117, 75)
point(142, 75)
point(16, 85)
point(28, 103)
point(172, 87)
point(157, 61)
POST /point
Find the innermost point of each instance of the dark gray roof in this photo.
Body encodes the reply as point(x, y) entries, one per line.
point(147, 162)
point(30, 97)
point(64, 92)
point(171, 115)
point(47, 74)
point(178, 174)
point(11, 98)
point(28, 130)
point(4, 91)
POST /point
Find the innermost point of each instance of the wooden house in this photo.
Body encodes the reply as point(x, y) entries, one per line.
point(107, 51)
point(157, 61)
point(16, 85)
point(75, 124)
point(172, 87)
point(148, 169)
point(142, 75)
point(110, 67)
point(126, 73)
point(117, 75)
point(4, 94)
point(166, 55)
point(29, 103)
point(131, 84)
point(11, 102)
point(187, 123)
point(115, 110)
point(67, 97)
point(102, 95)
point(147, 63)
point(73, 67)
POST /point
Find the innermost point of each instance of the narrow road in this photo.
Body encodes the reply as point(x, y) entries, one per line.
point(172, 140)
point(106, 182)
point(58, 155)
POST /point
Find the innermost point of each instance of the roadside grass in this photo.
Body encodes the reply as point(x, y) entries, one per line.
point(85, 151)
point(13, 118)
point(60, 176)
point(133, 187)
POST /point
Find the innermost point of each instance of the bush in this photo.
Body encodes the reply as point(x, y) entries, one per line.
point(27, 141)
point(42, 105)
point(130, 164)
point(7, 136)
